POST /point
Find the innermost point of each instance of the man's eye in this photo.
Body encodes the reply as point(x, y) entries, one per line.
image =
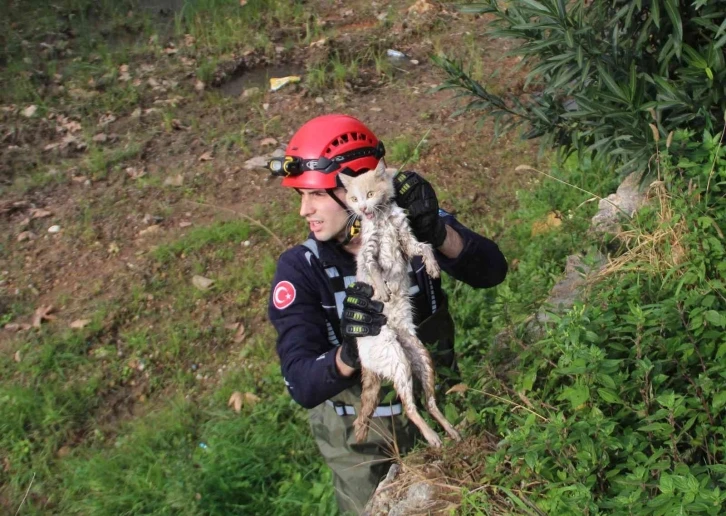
point(370, 194)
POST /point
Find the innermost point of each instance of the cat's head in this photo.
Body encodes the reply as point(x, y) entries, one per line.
point(366, 193)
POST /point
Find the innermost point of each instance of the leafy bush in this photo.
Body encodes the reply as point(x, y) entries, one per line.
point(626, 393)
point(602, 72)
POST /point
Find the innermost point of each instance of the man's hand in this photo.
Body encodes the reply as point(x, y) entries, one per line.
point(362, 317)
point(416, 195)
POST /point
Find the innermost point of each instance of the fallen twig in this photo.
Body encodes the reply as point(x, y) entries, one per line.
point(26, 495)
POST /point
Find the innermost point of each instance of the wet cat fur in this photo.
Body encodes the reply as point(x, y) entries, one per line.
point(387, 245)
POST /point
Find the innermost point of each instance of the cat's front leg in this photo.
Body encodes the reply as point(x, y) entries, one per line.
point(429, 260)
point(412, 247)
point(381, 292)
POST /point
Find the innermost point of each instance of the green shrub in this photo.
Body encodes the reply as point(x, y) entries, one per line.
point(601, 72)
point(629, 386)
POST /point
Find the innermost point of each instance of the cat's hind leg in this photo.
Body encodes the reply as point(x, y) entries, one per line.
point(423, 368)
point(404, 389)
point(368, 402)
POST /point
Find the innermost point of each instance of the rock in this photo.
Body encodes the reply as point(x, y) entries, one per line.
point(319, 100)
point(25, 236)
point(380, 502)
point(176, 180)
point(628, 198)
point(249, 92)
point(420, 7)
point(265, 142)
point(201, 282)
point(418, 496)
point(29, 111)
point(564, 294)
point(100, 138)
point(151, 230)
point(54, 229)
point(420, 493)
point(256, 162)
point(152, 219)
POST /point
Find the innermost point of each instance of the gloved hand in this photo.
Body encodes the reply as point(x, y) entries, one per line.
point(416, 195)
point(362, 317)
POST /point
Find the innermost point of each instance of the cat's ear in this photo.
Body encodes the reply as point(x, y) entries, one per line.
point(381, 170)
point(345, 180)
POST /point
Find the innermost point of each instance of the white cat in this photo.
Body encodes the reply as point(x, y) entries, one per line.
point(387, 245)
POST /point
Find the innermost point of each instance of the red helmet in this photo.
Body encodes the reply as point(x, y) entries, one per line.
point(325, 146)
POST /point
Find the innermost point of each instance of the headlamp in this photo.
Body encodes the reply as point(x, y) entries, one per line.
point(293, 166)
point(285, 167)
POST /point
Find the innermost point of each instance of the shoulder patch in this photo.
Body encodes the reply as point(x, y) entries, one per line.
point(283, 295)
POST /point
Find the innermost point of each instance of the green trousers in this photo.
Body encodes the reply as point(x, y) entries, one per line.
point(358, 468)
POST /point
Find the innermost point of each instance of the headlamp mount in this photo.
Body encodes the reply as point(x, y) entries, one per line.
point(294, 166)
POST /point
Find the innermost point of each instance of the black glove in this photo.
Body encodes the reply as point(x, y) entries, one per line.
point(416, 195)
point(362, 317)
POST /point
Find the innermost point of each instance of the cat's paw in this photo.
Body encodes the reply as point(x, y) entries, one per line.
point(432, 268)
point(361, 430)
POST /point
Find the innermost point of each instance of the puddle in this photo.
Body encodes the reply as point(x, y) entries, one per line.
point(259, 78)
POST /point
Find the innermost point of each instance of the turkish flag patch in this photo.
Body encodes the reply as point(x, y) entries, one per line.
point(283, 295)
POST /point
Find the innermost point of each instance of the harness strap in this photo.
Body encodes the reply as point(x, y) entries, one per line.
point(381, 411)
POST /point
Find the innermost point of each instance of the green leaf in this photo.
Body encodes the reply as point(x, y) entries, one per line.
point(675, 16)
point(609, 396)
point(666, 483)
point(719, 400)
point(655, 12)
point(715, 318)
point(611, 83)
point(576, 395)
point(478, 8)
point(656, 427)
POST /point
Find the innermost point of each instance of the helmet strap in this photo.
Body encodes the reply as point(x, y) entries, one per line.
point(352, 227)
point(331, 193)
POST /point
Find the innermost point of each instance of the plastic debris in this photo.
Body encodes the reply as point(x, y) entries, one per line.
point(278, 82)
point(396, 54)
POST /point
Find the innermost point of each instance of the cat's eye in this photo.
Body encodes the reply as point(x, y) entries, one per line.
point(370, 194)
point(353, 199)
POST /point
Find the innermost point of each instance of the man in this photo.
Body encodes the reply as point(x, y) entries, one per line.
point(318, 309)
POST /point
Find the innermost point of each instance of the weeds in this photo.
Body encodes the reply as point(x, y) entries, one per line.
point(629, 379)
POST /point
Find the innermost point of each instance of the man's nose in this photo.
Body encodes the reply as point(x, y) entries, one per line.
point(306, 207)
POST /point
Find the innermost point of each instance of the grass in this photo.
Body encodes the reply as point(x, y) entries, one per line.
point(404, 150)
point(58, 399)
point(234, 232)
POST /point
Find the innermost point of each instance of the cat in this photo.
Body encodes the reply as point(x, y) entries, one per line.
point(387, 245)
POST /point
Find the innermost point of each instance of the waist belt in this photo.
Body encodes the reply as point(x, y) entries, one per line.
point(381, 411)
